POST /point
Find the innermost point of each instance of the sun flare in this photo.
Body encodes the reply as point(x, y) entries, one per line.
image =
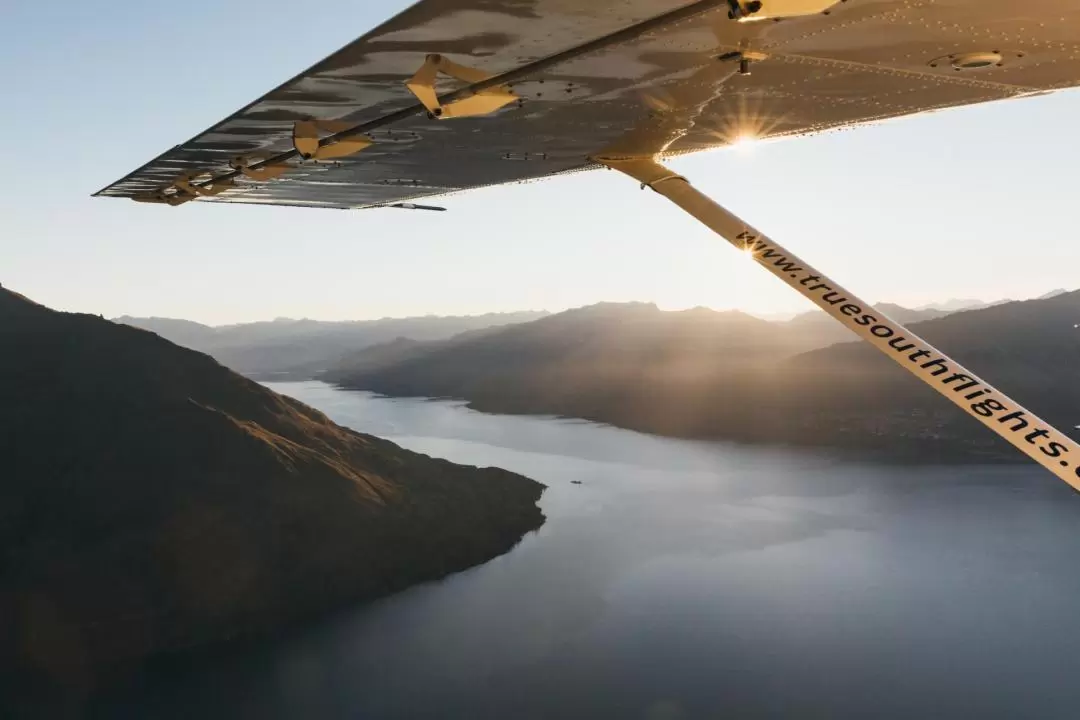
point(743, 142)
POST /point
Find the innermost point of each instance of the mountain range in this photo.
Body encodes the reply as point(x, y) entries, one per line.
point(288, 349)
point(703, 374)
point(957, 304)
point(284, 348)
point(152, 500)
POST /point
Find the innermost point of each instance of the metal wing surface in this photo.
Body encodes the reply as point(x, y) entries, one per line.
point(555, 82)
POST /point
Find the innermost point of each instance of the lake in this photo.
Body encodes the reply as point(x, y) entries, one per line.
point(684, 579)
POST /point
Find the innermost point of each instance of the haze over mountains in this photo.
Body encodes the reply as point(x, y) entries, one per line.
point(286, 348)
point(730, 376)
point(151, 499)
point(818, 329)
point(956, 304)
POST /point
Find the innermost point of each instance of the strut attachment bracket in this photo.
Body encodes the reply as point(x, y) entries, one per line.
point(306, 139)
point(482, 102)
point(752, 10)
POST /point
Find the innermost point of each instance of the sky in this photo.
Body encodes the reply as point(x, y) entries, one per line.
point(975, 202)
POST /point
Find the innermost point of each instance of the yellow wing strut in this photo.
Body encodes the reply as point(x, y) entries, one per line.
point(1032, 436)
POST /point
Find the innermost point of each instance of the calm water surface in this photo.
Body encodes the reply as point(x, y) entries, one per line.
point(685, 580)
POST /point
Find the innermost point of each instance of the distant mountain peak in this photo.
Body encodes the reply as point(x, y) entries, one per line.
point(723, 315)
point(959, 304)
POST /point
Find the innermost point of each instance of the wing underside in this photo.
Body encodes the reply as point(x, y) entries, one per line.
point(585, 78)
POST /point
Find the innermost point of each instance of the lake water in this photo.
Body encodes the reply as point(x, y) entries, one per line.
point(685, 580)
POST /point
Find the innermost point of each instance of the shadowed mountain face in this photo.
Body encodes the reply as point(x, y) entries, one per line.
point(1026, 349)
point(573, 358)
point(151, 499)
point(286, 348)
point(728, 376)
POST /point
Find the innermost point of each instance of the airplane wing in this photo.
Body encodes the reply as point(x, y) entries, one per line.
point(458, 94)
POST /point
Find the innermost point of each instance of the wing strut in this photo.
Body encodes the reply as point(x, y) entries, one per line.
point(1049, 447)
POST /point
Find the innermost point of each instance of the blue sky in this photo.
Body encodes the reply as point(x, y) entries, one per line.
point(977, 202)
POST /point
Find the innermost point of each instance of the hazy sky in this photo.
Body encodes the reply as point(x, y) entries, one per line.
point(979, 202)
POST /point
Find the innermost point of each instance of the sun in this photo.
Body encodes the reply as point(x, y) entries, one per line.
point(743, 142)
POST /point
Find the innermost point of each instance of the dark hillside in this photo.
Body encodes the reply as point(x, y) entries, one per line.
point(151, 499)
